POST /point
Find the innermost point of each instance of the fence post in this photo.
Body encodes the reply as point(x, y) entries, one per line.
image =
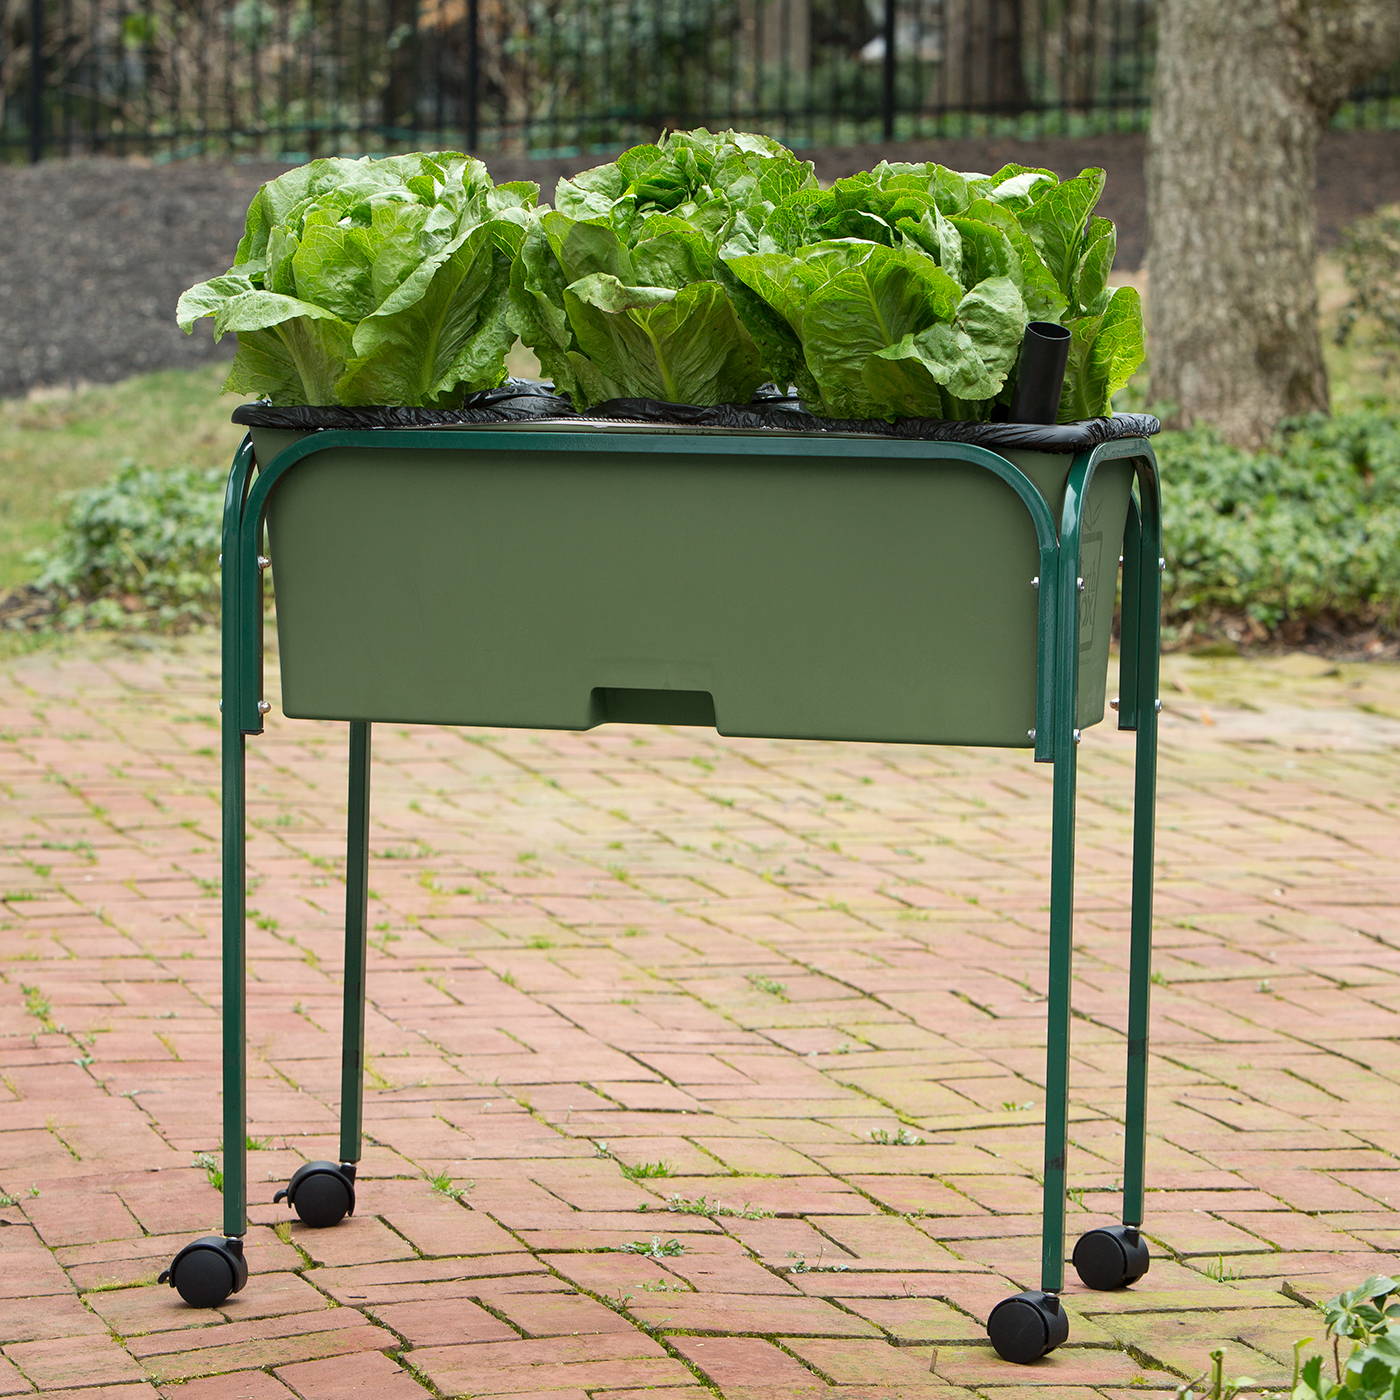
point(887, 86)
point(36, 81)
point(473, 75)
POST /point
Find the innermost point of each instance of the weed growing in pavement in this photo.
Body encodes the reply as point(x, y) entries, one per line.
point(7, 1201)
point(256, 1144)
point(766, 984)
point(665, 1285)
point(641, 1171)
point(654, 1248)
point(703, 1205)
point(1220, 1271)
point(211, 1169)
point(442, 1184)
point(901, 1138)
point(1011, 1106)
point(800, 1266)
point(1220, 1388)
point(37, 1005)
point(538, 940)
point(1159, 979)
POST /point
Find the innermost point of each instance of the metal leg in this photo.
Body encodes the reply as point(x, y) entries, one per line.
point(352, 1054)
point(1148, 629)
point(1028, 1325)
point(234, 1000)
point(323, 1193)
point(1116, 1256)
point(1052, 1239)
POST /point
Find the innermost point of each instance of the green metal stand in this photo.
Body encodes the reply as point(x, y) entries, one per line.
point(1022, 1327)
point(352, 1049)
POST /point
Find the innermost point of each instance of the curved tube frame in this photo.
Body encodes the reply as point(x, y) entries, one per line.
point(1056, 739)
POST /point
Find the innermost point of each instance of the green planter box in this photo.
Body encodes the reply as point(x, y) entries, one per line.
point(771, 584)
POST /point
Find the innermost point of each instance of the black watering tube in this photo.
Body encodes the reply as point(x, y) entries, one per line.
point(1040, 374)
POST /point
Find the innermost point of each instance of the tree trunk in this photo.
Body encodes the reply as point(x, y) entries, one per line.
point(1243, 94)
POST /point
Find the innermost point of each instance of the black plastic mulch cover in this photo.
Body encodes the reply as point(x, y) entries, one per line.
point(520, 400)
point(512, 402)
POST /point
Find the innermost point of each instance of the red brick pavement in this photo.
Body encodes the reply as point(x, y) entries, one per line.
point(744, 961)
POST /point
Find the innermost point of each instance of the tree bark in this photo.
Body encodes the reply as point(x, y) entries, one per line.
point(1243, 93)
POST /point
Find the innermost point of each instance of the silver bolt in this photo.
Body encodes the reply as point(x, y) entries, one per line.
point(1077, 736)
point(221, 560)
point(264, 562)
point(1157, 706)
point(1035, 582)
point(264, 706)
point(1113, 704)
point(1030, 734)
point(1120, 558)
point(1161, 565)
point(1079, 584)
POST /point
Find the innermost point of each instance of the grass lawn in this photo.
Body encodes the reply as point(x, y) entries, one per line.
point(57, 441)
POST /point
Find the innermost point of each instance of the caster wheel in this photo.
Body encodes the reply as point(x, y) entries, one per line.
point(321, 1193)
point(1112, 1257)
point(1028, 1326)
point(206, 1272)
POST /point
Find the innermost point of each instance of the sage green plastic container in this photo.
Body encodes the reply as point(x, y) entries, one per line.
point(855, 597)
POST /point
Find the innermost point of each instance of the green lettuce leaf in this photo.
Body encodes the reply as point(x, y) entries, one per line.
point(443, 327)
point(584, 291)
point(1105, 350)
point(860, 311)
point(682, 346)
point(370, 281)
point(970, 355)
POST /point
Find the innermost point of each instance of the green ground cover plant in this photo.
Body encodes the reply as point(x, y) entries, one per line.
point(1301, 538)
point(54, 443)
point(1367, 1316)
point(141, 546)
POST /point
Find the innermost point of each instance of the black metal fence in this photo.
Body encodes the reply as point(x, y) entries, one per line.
point(290, 78)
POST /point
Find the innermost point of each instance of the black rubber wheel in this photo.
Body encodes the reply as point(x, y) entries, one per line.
point(206, 1272)
point(1112, 1257)
point(321, 1193)
point(1027, 1326)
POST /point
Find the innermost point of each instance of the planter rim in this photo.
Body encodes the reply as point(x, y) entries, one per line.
point(530, 406)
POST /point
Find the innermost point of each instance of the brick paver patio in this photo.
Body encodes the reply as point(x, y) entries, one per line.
point(752, 962)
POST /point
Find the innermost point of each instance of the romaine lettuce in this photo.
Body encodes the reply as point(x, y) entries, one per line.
point(370, 282)
point(619, 290)
point(885, 338)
